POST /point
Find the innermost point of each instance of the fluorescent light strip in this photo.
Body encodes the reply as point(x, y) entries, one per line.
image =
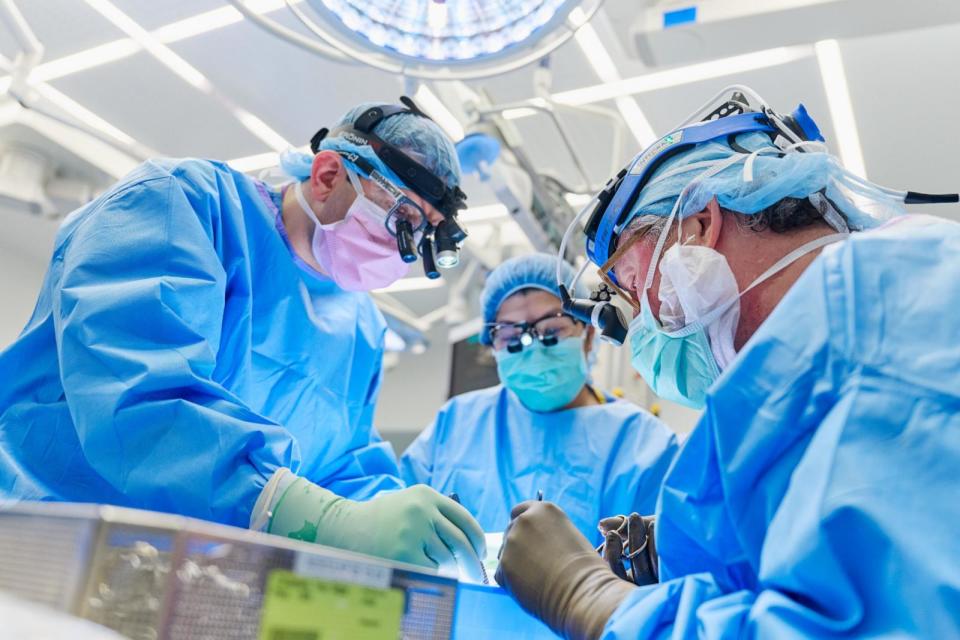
point(606, 69)
point(636, 121)
point(198, 24)
point(683, 75)
point(185, 70)
point(596, 54)
point(412, 284)
point(213, 20)
point(158, 50)
point(841, 107)
point(81, 113)
point(126, 47)
point(516, 114)
point(435, 108)
point(99, 55)
point(255, 162)
point(259, 128)
point(65, 103)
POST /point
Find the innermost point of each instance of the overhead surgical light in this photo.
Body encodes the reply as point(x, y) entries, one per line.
point(438, 39)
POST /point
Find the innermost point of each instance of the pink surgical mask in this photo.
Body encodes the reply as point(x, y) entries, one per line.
point(358, 252)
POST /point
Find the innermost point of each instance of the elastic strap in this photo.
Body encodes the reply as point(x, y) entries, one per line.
point(777, 266)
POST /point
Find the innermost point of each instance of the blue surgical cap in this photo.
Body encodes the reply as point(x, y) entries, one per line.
point(533, 271)
point(775, 176)
point(417, 136)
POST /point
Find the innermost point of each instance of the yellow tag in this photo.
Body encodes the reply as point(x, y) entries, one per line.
point(299, 608)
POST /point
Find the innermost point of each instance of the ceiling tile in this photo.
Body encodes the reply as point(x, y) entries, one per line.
point(292, 90)
point(145, 100)
point(66, 26)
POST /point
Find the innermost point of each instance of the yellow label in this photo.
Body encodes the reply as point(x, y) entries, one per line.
point(299, 608)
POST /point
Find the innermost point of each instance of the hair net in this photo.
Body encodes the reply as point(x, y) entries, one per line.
point(533, 271)
point(761, 179)
point(419, 137)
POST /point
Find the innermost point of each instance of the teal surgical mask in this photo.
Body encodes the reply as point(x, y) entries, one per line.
point(678, 365)
point(544, 378)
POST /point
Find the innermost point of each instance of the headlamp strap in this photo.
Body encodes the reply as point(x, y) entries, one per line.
point(317, 139)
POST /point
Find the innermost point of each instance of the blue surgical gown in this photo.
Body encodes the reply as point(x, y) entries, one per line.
point(179, 354)
point(819, 496)
point(494, 453)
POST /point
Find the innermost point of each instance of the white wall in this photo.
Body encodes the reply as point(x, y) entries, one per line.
point(415, 389)
point(25, 245)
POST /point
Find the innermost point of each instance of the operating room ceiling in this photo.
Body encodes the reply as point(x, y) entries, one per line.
point(904, 90)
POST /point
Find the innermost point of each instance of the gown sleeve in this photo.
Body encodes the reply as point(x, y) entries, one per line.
point(819, 490)
point(138, 327)
point(370, 465)
point(638, 466)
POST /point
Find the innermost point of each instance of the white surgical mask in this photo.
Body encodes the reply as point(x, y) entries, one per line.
point(694, 281)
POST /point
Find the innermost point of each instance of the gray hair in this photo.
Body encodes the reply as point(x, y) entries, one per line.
point(648, 224)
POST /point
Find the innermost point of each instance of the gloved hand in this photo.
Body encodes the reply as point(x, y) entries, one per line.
point(634, 533)
point(415, 525)
point(555, 574)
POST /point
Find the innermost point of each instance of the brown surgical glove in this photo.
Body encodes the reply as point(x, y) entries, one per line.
point(555, 574)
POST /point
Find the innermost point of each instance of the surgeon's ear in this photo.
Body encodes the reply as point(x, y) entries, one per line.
point(703, 229)
point(326, 173)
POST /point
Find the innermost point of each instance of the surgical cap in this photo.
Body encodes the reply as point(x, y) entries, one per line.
point(533, 271)
point(769, 178)
point(417, 136)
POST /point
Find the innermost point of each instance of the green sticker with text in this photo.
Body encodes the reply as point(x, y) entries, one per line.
point(300, 608)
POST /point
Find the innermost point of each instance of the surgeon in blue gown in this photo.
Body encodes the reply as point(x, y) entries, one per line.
point(191, 341)
point(818, 495)
point(546, 428)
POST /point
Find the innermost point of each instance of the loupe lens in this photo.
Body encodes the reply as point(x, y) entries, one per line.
point(405, 242)
point(429, 263)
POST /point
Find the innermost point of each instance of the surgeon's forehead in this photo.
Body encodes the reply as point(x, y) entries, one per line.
point(528, 305)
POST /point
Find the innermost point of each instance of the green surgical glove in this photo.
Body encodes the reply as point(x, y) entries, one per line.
point(555, 574)
point(416, 525)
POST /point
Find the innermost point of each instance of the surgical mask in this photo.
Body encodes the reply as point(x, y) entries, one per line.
point(695, 280)
point(679, 362)
point(358, 252)
point(544, 378)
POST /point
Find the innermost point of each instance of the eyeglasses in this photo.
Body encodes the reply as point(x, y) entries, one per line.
point(550, 329)
point(400, 209)
point(610, 264)
point(398, 205)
